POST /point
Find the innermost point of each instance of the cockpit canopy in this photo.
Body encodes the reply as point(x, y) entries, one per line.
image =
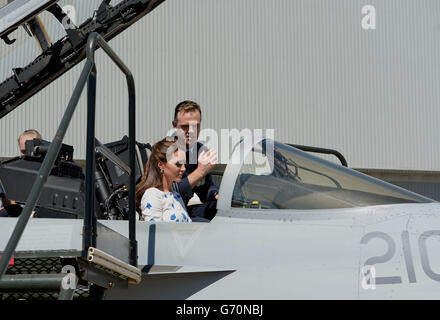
point(276, 176)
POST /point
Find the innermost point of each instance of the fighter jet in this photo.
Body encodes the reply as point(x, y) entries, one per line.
point(289, 225)
point(305, 228)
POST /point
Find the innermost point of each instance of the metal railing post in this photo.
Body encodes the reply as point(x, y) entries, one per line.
point(93, 41)
point(90, 216)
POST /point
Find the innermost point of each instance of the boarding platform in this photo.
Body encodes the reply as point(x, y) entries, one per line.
point(52, 248)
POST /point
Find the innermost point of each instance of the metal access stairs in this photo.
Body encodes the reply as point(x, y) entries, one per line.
point(53, 258)
point(41, 278)
point(50, 262)
point(65, 275)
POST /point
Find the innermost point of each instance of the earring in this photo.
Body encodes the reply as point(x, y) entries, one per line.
point(161, 171)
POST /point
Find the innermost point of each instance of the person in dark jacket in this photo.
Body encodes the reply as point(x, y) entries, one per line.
point(3, 212)
point(199, 163)
point(9, 208)
point(25, 136)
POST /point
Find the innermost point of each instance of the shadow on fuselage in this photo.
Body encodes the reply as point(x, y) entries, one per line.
point(167, 286)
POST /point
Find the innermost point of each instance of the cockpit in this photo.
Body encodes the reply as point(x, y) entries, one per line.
point(272, 175)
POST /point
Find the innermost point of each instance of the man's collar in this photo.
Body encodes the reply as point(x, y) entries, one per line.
point(190, 149)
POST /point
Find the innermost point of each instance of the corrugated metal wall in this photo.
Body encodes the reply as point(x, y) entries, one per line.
point(303, 67)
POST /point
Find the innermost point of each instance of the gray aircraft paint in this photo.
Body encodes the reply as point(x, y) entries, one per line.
point(301, 258)
point(272, 254)
point(249, 258)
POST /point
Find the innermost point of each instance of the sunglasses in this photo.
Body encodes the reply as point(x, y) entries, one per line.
point(178, 164)
point(186, 127)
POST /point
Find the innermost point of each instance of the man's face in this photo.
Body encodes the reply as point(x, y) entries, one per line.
point(189, 123)
point(23, 143)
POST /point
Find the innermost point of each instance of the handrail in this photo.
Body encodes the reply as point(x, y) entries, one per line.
point(90, 218)
point(321, 150)
point(88, 74)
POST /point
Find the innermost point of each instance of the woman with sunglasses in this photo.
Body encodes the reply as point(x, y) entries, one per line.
point(154, 196)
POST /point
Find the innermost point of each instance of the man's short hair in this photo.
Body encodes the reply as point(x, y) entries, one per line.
point(186, 106)
point(29, 132)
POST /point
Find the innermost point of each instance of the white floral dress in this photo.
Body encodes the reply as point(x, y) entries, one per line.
point(157, 205)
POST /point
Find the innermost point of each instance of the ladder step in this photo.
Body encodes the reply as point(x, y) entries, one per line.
point(31, 282)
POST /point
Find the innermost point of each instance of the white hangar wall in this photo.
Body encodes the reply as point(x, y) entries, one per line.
point(305, 68)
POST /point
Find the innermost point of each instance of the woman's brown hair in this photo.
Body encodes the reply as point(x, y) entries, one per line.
point(152, 177)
